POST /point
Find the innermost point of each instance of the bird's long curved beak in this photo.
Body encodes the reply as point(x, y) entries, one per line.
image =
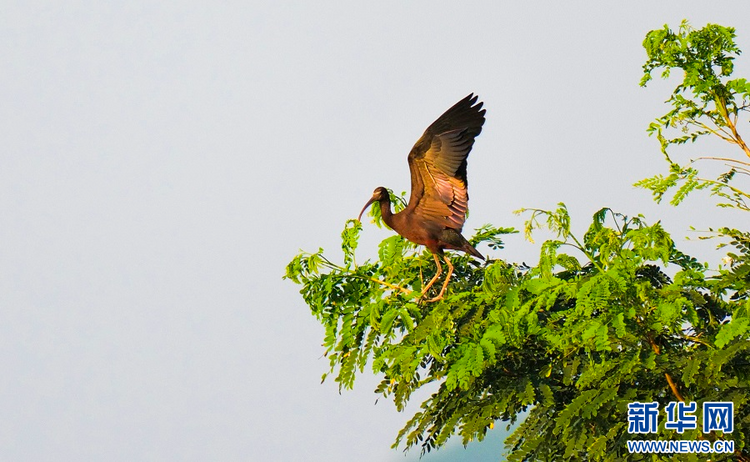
point(372, 199)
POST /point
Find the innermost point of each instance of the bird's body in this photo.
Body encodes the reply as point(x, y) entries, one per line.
point(431, 234)
point(437, 207)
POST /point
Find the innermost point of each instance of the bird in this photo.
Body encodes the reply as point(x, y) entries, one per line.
point(435, 214)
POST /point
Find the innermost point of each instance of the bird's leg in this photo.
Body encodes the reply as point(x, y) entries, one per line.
point(437, 274)
point(445, 284)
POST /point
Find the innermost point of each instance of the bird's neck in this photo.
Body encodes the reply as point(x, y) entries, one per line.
point(385, 211)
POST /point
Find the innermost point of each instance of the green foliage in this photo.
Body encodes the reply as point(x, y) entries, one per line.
point(705, 103)
point(614, 316)
point(571, 340)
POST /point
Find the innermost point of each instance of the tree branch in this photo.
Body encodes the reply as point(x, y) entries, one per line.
point(721, 105)
point(671, 383)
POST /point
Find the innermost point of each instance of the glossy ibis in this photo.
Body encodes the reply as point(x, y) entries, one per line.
point(438, 203)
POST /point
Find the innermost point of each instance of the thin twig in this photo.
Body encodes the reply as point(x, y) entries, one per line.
point(391, 286)
point(725, 159)
point(734, 190)
point(697, 340)
point(726, 136)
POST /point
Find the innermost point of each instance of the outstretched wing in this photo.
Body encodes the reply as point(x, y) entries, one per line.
point(438, 164)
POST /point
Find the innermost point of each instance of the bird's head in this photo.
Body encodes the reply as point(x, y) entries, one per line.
point(378, 195)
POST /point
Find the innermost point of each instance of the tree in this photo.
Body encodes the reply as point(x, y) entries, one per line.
point(597, 324)
point(705, 103)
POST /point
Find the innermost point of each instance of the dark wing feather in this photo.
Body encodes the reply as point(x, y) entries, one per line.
point(438, 164)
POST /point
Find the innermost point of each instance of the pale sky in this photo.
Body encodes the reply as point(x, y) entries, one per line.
point(163, 161)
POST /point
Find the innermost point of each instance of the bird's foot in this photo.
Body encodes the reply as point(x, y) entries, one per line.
point(434, 299)
point(423, 297)
point(439, 296)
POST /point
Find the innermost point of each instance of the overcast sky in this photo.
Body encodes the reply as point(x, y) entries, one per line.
point(163, 161)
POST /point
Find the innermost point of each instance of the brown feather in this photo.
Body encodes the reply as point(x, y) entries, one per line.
point(438, 165)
